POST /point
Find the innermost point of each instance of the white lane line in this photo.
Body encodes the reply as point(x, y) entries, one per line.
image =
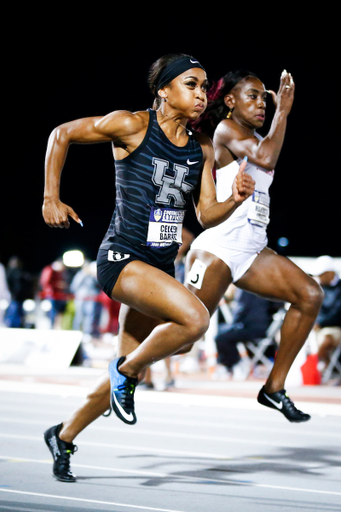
point(87, 466)
point(231, 461)
point(83, 500)
point(189, 423)
point(63, 390)
point(297, 489)
point(239, 483)
point(185, 399)
point(197, 437)
point(178, 477)
point(148, 449)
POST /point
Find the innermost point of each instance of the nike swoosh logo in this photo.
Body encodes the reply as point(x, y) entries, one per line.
point(276, 404)
point(194, 61)
point(128, 417)
point(192, 163)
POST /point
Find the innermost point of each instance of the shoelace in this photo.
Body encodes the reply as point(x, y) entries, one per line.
point(290, 403)
point(64, 458)
point(127, 392)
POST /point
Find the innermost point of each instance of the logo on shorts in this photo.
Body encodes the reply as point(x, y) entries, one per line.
point(117, 256)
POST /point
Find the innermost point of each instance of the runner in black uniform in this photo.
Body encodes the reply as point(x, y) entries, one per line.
point(152, 195)
point(160, 166)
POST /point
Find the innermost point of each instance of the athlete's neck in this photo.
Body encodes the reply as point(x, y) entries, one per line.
point(163, 118)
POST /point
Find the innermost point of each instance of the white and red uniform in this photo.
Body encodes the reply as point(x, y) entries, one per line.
point(238, 240)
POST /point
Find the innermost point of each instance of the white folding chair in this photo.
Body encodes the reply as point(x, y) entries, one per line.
point(334, 366)
point(259, 347)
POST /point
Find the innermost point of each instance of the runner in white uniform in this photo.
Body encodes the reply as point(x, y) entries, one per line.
point(236, 250)
point(243, 236)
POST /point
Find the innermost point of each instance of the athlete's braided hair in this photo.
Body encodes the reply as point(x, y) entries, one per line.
point(216, 109)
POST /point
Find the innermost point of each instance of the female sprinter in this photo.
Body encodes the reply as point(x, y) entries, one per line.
point(160, 166)
point(238, 249)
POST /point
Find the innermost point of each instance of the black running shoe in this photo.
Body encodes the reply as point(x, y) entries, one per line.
point(61, 451)
point(122, 392)
point(282, 403)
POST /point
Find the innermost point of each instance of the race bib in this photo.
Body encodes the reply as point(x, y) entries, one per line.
point(258, 213)
point(195, 276)
point(165, 227)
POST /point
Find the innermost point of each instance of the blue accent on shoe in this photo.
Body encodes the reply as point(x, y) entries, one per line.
point(122, 389)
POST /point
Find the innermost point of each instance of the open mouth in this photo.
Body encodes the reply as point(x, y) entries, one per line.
point(261, 117)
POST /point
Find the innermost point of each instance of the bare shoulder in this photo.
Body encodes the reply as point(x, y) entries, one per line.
point(227, 130)
point(122, 122)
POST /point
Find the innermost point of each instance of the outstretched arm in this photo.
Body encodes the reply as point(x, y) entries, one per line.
point(263, 153)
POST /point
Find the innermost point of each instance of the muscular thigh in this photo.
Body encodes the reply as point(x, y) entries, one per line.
point(154, 294)
point(275, 277)
point(216, 277)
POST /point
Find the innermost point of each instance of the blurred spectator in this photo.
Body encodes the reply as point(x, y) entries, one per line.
point(328, 321)
point(20, 285)
point(5, 295)
point(113, 309)
point(88, 305)
point(251, 317)
point(55, 287)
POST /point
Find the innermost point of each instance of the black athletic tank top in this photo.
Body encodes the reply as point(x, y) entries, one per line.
point(153, 184)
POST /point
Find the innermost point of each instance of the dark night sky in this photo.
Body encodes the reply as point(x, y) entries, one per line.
point(50, 85)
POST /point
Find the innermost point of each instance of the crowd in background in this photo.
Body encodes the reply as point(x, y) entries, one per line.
point(61, 297)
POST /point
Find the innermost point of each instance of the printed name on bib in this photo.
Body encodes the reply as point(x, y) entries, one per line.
point(258, 213)
point(165, 227)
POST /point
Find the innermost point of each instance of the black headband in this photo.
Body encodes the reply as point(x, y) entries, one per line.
point(176, 68)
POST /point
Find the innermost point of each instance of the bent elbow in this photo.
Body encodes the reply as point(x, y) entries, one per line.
point(59, 136)
point(266, 160)
point(206, 222)
point(269, 164)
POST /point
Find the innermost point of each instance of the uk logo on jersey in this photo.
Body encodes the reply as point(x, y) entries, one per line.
point(170, 186)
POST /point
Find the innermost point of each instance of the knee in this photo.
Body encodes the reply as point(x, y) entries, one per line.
point(312, 296)
point(198, 321)
point(316, 296)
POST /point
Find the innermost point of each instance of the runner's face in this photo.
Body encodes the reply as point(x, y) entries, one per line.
point(249, 102)
point(187, 93)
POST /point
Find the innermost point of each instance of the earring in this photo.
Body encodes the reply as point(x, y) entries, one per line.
point(229, 114)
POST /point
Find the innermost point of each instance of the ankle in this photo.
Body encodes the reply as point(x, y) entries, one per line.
point(126, 369)
point(273, 387)
point(65, 436)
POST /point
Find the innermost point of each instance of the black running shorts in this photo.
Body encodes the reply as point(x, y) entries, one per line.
point(111, 263)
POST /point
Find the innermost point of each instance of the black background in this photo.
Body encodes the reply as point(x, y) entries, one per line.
point(77, 68)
